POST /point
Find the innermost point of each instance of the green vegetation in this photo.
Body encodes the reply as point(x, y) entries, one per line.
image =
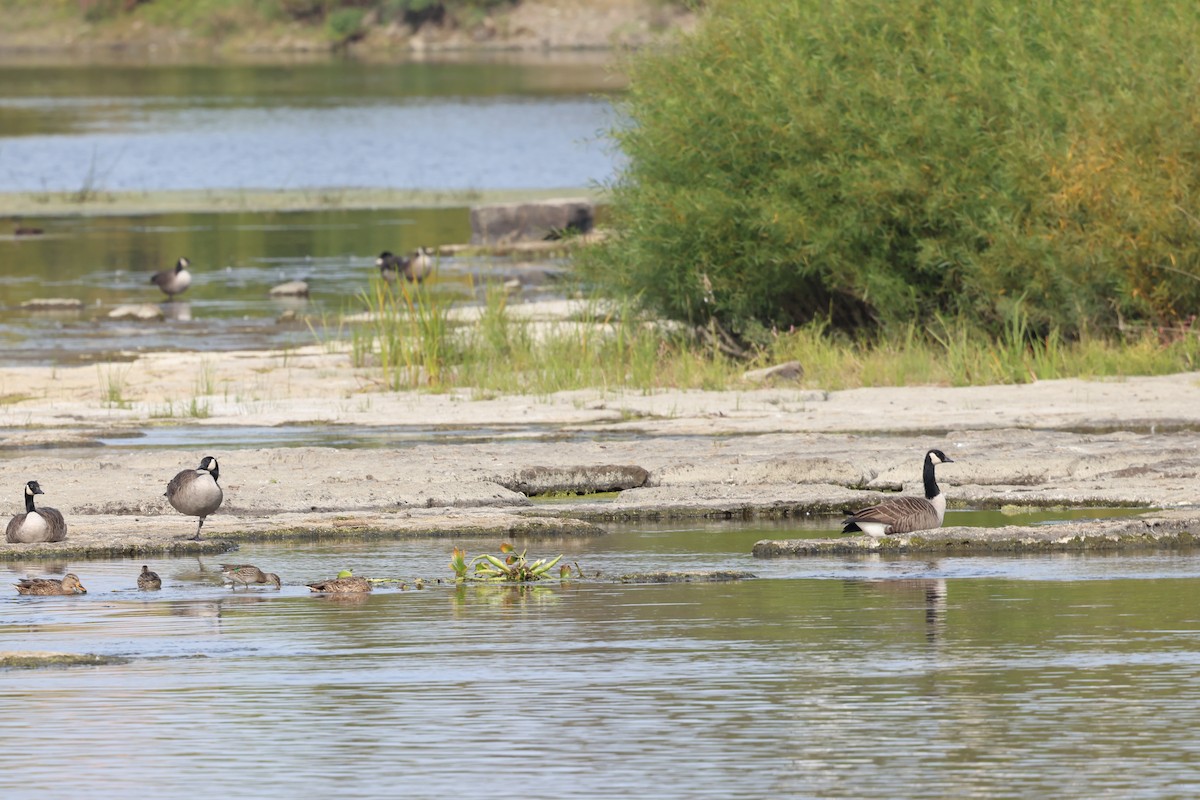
point(342, 19)
point(512, 567)
point(414, 338)
point(928, 171)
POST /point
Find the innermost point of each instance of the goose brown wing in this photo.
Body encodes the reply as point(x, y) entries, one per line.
point(900, 515)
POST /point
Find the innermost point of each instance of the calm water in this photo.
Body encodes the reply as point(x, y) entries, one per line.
point(330, 124)
point(1072, 676)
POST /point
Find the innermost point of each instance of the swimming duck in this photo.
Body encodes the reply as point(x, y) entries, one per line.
point(341, 586)
point(148, 580)
point(47, 586)
point(36, 524)
point(246, 574)
point(195, 492)
point(174, 281)
point(905, 514)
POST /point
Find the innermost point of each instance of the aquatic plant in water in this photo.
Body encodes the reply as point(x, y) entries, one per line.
point(513, 566)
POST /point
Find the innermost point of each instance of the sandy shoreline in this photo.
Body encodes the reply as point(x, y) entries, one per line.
point(740, 453)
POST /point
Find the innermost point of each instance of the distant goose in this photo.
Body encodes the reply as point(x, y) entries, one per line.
point(905, 514)
point(47, 586)
point(148, 580)
point(420, 264)
point(246, 574)
point(20, 229)
point(341, 586)
point(391, 265)
point(174, 281)
point(195, 491)
point(36, 524)
point(414, 267)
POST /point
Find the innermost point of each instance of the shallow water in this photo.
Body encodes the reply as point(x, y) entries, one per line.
point(112, 127)
point(1036, 676)
point(237, 258)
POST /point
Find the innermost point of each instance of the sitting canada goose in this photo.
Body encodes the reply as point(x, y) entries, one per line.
point(195, 491)
point(175, 280)
point(36, 524)
point(341, 586)
point(905, 514)
point(246, 574)
point(45, 586)
point(148, 580)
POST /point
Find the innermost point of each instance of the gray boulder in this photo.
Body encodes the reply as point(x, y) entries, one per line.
point(504, 223)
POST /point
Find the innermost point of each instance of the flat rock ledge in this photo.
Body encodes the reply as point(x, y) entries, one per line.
point(702, 576)
point(1142, 533)
point(35, 659)
point(120, 536)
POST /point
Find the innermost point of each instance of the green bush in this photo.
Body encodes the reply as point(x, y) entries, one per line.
point(876, 162)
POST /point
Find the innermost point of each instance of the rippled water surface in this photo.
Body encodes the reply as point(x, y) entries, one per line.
point(1038, 676)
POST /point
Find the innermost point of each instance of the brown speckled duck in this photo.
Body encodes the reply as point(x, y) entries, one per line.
point(45, 586)
point(148, 581)
point(246, 574)
point(341, 586)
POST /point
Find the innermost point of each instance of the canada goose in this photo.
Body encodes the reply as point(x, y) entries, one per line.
point(905, 514)
point(148, 580)
point(21, 229)
point(391, 265)
point(246, 574)
point(420, 264)
point(414, 267)
point(44, 586)
point(341, 586)
point(175, 280)
point(195, 491)
point(36, 524)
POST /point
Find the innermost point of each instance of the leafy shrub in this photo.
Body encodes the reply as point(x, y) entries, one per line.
point(882, 161)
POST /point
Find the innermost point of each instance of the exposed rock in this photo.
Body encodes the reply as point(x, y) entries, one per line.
point(534, 481)
point(143, 312)
point(53, 304)
point(510, 222)
point(787, 372)
point(32, 659)
point(703, 576)
point(290, 289)
point(1179, 531)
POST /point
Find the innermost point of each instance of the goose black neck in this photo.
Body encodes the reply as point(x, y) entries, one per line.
point(931, 487)
point(29, 509)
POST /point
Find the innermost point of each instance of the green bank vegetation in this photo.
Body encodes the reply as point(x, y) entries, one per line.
point(979, 190)
point(413, 339)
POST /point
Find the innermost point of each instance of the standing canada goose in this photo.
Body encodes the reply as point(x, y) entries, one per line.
point(175, 280)
point(391, 265)
point(341, 586)
point(420, 264)
point(195, 491)
point(905, 514)
point(148, 580)
point(46, 586)
point(246, 574)
point(36, 524)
